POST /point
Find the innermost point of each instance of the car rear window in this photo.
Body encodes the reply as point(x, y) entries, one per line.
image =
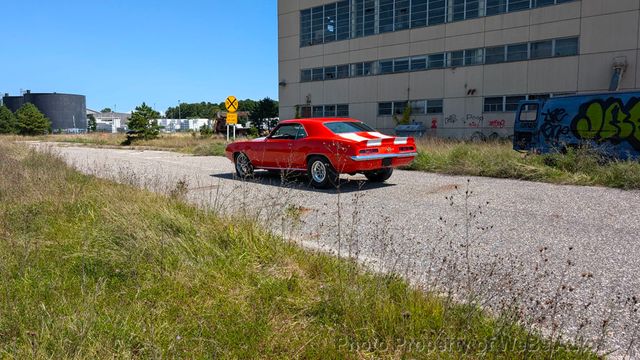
point(341, 127)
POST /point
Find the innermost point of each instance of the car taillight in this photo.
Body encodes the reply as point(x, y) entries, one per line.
point(406, 148)
point(368, 151)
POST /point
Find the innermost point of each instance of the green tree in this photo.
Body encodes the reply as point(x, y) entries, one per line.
point(30, 121)
point(92, 124)
point(106, 110)
point(265, 109)
point(143, 124)
point(7, 121)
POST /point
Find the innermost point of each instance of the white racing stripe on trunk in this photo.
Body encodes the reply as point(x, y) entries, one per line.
point(400, 141)
point(377, 134)
point(377, 142)
point(352, 136)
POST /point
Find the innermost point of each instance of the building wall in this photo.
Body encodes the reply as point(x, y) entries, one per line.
point(606, 30)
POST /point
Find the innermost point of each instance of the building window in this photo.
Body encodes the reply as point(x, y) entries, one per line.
point(495, 7)
point(318, 111)
point(494, 55)
point(343, 72)
point(398, 107)
point(402, 15)
point(401, 65)
point(418, 63)
point(317, 74)
point(317, 25)
point(434, 107)
point(330, 73)
point(456, 58)
point(515, 5)
point(342, 110)
point(511, 102)
point(494, 104)
point(305, 27)
point(418, 107)
point(517, 52)
point(436, 61)
point(369, 17)
point(385, 16)
point(541, 49)
point(305, 111)
point(330, 22)
point(346, 19)
point(469, 57)
point(566, 47)
point(343, 20)
point(305, 75)
point(330, 110)
point(386, 67)
point(473, 57)
point(419, 13)
point(437, 12)
point(385, 109)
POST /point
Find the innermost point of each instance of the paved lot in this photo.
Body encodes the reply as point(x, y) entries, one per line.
point(566, 254)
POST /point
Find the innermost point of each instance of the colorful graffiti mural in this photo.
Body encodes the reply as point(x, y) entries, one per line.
point(609, 120)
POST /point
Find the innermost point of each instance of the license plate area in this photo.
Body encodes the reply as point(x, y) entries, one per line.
point(387, 161)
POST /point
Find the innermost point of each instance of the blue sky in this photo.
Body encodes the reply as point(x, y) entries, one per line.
point(121, 53)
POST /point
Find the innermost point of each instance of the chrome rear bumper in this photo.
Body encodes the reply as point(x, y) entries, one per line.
point(382, 156)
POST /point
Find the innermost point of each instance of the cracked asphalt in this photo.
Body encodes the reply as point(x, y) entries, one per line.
point(526, 240)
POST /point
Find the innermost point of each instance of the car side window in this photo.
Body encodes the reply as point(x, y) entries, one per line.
point(289, 132)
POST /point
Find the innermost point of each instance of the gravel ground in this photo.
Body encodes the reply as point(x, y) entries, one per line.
point(567, 256)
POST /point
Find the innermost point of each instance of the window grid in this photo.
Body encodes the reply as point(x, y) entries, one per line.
point(509, 103)
point(418, 107)
point(349, 19)
point(331, 110)
point(493, 55)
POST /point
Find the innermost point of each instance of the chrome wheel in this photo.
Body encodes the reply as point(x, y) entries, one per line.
point(243, 165)
point(318, 171)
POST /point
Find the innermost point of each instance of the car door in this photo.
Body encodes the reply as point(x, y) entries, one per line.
point(278, 145)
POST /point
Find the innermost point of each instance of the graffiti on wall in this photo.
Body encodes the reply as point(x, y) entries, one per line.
point(474, 121)
point(451, 119)
point(609, 121)
point(497, 124)
point(552, 127)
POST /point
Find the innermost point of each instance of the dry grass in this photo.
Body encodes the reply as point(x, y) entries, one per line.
point(498, 159)
point(181, 142)
point(92, 269)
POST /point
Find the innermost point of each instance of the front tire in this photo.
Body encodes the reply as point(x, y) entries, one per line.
point(380, 175)
point(244, 169)
point(321, 174)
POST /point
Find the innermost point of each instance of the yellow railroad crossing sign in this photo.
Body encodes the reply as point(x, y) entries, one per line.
point(232, 118)
point(231, 103)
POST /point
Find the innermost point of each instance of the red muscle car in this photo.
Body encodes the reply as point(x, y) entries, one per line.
point(324, 148)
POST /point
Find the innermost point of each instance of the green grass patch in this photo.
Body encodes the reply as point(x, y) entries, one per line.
point(93, 269)
point(498, 159)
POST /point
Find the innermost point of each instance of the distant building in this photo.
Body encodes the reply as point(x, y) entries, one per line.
point(110, 121)
point(175, 125)
point(67, 112)
point(461, 66)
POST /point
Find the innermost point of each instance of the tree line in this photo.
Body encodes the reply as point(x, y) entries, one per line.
point(27, 120)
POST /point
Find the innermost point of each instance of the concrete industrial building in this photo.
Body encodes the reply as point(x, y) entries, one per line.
point(67, 112)
point(462, 65)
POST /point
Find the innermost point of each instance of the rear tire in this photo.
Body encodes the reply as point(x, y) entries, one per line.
point(380, 175)
point(244, 169)
point(321, 174)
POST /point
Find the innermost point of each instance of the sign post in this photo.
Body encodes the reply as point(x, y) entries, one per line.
point(231, 103)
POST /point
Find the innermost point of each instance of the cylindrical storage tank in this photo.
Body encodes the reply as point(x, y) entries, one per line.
point(66, 111)
point(12, 102)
